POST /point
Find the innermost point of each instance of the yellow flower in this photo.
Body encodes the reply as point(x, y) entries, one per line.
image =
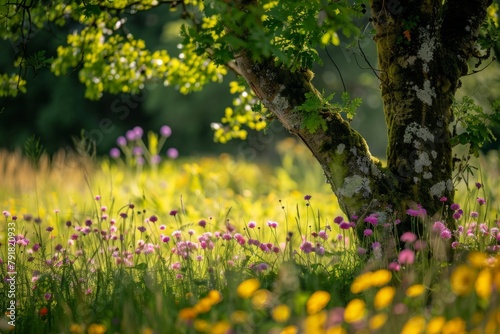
point(314, 322)
point(220, 327)
point(214, 296)
point(336, 330)
point(477, 259)
point(289, 330)
point(414, 325)
point(384, 297)
point(362, 282)
point(75, 329)
point(239, 317)
point(381, 277)
point(354, 311)
point(455, 326)
point(415, 290)
point(96, 329)
point(377, 321)
point(247, 288)
point(261, 299)
point(188, 313)
point(435, 325)
point(317, 302)
point(281, 313)
point(201, 325)
point(147, 331)
point(462, 280)
point(483, 284)
point(204, 305)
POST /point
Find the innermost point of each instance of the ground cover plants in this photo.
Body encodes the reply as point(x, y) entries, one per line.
point(139, 243)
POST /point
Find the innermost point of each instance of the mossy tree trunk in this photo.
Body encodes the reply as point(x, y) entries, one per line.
point(423, 49)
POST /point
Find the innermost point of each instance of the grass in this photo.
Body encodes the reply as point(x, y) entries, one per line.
point(218, 245)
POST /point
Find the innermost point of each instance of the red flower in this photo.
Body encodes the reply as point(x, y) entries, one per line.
point(43, 312)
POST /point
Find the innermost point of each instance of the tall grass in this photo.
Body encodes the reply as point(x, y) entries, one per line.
point(219, 245)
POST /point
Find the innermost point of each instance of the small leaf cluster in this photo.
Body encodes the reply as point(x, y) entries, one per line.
point(315, 106)
point(240, 116)
point(476, 124)
point(11, 85)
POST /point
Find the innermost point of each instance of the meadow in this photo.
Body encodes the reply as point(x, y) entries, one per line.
point(135, 243)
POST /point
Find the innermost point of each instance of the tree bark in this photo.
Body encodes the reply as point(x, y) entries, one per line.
point(423, 48)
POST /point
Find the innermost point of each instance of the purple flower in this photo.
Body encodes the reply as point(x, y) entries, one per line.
point(88, 222)
point(121, 141)
point(446, 234)
point(361, 251)
point(338, 220)
point(153, 219)
point(372, 219)
point(394, 266)
point(481, 200)
point(155, 159)
point(36, 247)
point(130, 135)
point(172, 153)
point(478, 185)
point(307, 197)
point(58, 247)
point(137, 150)
point(455, 244)
point(202, 223)
point(376, 245)
point(165, 131)
point(47, 296)
point(438, 227)
point(138, 132)
point(173, 212)
point(457, 216)
point(408, 237)
point(142, 229)
point(474, 214)
point(114, 153)
point(368, 232)
point(263, 266)
point(252, 224)
point(323, 235)
point(345, 225)
point(123, 215)
point(49, 229)
point(455, 206)
point(443, 199)
point(406, 256)
point(272, 224)
point(306, 247)
point(166, 238)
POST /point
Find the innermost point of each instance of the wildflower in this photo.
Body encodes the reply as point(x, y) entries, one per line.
point(345, 225)
point(47, 296)
point(263, 266)
point(75, 329)
point(247, 288)
point(408, 237)
point(165, 131)
point(443, 199)
point(415, 290)
point(455, 325)
point(49, 229)
point(172, 153)
point(384, 297)
point(202, 223)
point(354, 311)
point(438, 227)
point(188, 313)
point(221, 327)
point(455, 206)
point(474, 214)
point(477, 259)
point(406, 256)
point(361, 251)
point(338, 220)
point(142, 229)
point(483, 285)
point(455, 244)
point(414, 325)
point(173, 212)
point(481, 200)
point(307, 197)
point(381, 277)
point(6, 213)
point(239, 317)
point(281, 313)
point(261, 299)
point(377, 321)
point(292, 329)
point(462, 280)
point(323, 235)
point(252, 224)
point(372, 219)
point(306, 247)
point(43, 312)
point(317, 301)
point(456, 216)
point(446, 234)
point(272, 224)
point(435, 325)
point(179, 276)
point(362, 282)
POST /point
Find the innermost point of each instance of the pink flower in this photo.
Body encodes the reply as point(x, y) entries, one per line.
point(323, 235)
point(338, 220)
point(368, 232)
point(306, 247)
point(481, 200)
point(252, 224)
point(455, 206)
point(406, 256)
point(345, 225)
point(443, 199)
point(408, 237)
point(455, 244)
point(474, 214)
point(272, 224)
point(361, 251)
point(446, 234)
point(394, 266)
point(438, 227)
point(372, 219)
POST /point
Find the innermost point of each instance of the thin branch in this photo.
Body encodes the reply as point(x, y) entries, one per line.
point(338, 69)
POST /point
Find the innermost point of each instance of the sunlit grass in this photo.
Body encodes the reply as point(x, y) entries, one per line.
point(217, 244)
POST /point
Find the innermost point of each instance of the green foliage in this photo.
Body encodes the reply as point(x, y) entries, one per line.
point(475, 124)
point(11, 85)
point(315, 106)
point(34, 150)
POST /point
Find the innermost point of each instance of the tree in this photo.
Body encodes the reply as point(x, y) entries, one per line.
point(424, 48)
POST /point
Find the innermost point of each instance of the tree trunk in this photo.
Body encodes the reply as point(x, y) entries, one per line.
point(422, 47)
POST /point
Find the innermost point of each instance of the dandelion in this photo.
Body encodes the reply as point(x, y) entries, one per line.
point(483, 285)
point(455, 325)
point(384, 297)
point(261, 299)
point(377, 321)
point(247, 288)
point(415, 290)
point(96, 329)
point(381, 277)
point(462, 280)
point(414, 325)
point(477, 259)
point(221, 327)
point(435, 325)
point(317, 301)
point(354, 311)
point(281, 313)
point(362, 282)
